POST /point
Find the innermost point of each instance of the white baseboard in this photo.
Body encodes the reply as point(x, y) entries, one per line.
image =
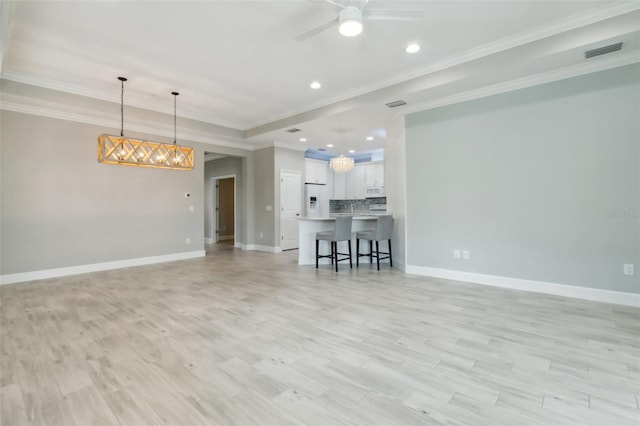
point(96, 267)
point(587, 293)
point(225, 237)
point(237, 244)
point(208, 240)
point(256, 247)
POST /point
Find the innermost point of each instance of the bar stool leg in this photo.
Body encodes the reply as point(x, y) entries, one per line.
point(378, 254)
point(335, 253)
point(350, 261)
point(370, 251)
point(357, 252)
point(317, 246)
point(390, 257)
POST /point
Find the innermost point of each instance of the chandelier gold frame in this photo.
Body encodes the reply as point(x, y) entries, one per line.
point(126, 151)
point(136, 152)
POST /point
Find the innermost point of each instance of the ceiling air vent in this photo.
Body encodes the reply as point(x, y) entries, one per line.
point(395, 104)
point(603, 50)
point(294, 130)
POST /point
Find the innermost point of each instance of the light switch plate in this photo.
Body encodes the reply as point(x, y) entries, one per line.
point(628, 269)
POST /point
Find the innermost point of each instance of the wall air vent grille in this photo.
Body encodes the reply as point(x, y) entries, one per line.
point(294, 130)
point(395, 104)
point(603, 50)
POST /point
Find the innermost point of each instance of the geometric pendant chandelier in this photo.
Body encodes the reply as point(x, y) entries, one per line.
point(136, 152)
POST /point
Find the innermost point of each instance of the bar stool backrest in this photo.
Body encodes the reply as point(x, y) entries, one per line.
point(384, 228)
point(343, 228)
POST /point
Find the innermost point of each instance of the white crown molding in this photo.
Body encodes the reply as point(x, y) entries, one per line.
point(27, 106)
point(586, 293)
point(292, 146)
point(510, 42)
point(110, 97)
point(96, 267)
point(602, 64)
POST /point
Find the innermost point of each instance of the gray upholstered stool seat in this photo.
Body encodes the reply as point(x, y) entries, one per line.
point(383, 231)
point(341, 232)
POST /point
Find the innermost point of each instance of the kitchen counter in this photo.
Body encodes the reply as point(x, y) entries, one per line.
point(308, 226)
point(333, 218)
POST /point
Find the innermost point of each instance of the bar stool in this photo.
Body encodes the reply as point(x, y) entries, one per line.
point(341, 232)
point(383, 231)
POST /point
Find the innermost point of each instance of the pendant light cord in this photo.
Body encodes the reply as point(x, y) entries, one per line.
point(122, 80)
point(175, 125)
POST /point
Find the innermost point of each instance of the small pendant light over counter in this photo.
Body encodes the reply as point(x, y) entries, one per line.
point(136, 152)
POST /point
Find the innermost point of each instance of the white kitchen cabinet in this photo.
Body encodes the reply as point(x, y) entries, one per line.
point(355, 183)
point(339, 186)
point(374, 175)
point(316, 172)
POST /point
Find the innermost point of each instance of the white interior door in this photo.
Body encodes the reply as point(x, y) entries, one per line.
point(290, 208)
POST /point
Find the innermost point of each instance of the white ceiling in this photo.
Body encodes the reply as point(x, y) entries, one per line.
point(237, 63)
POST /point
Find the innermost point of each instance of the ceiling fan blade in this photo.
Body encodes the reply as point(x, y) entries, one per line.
point(317, 30)
point(393, 14)
point(337, 6)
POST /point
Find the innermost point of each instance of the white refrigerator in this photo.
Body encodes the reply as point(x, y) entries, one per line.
point(316, 200)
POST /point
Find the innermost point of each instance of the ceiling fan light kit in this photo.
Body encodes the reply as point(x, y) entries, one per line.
point(350, 21)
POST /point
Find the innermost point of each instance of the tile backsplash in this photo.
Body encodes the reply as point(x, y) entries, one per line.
point(344, 206)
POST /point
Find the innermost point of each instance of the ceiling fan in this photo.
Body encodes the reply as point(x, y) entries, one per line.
point(350, 18)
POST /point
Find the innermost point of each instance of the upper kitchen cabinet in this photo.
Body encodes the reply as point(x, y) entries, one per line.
point(339, 186)
point(374, 175)
point(355, 183)
point(374, 180)
point(315, 171)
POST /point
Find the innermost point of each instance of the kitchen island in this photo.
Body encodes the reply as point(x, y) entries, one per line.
point(310, 225)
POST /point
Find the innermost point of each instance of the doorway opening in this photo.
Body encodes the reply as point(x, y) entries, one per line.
point(224, 210)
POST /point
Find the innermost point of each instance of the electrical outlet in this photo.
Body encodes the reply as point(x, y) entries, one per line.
point(465, 254)
point(456, 253)
point(261, 235)
point(269, 208)
point(628, 268)
point(191, 209)
point(187, 240)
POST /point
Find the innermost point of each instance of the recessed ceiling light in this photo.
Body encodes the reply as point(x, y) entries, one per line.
point(315, 85)
point(369, 138)
point(413, 48)
point(329, 145)
point(351, 151)
point(303, 139)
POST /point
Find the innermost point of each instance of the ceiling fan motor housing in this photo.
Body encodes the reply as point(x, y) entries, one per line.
point(350, 21)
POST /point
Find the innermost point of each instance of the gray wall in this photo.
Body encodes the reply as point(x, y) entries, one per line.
point(61, 208)
point(395, 186)
point(224, 167)
point(263, 167)
point(527, 181)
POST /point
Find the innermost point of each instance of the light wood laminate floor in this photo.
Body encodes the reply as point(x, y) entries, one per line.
point(249, 338)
